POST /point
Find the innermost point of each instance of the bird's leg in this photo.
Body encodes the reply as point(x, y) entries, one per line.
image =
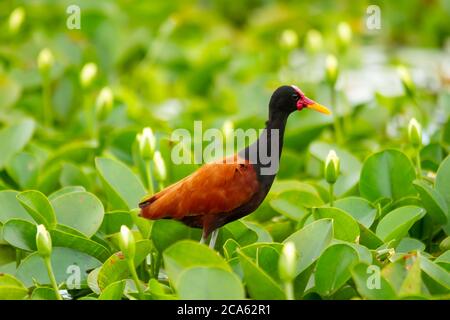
point(204, 237)
point(214, 235)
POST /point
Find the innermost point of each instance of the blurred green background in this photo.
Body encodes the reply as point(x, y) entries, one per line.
point(169, 63)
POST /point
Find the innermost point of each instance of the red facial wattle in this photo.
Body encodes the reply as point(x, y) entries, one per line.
point(305, 102)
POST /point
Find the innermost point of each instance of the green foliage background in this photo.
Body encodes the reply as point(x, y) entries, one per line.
point(170, 63)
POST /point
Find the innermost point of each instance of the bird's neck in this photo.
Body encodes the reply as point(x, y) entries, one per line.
point(265, 153)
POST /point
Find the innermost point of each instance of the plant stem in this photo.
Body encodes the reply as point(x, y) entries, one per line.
point(331, 192)
point(419, 165)
point(148, 170)
point(51, 275)
point(46, 96)
point(135, 278)
point(289, 290)
point(337, 124)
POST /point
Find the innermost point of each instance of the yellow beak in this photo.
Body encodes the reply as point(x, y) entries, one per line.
point(318, 107)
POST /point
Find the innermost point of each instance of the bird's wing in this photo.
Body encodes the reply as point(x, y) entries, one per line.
point(214, 188)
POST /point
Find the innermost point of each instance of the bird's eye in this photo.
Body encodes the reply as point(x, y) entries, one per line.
point(295, 96)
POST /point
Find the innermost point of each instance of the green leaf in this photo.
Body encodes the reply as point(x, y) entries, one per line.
point(267, 256)
point(444, 260)
point(20, 234)
point(14, 138)
point(371, 284)
point(10, 207)
point(440, 278)
point(113, 291)
point(23, 168)
point(387, 174)
point(65, 190)
point(72, 175)
point(260, 285)
point(116, 267)
point(311, 241)
point(368, 238)
point(185, 254)
point(433, 202)
point(412, 285)
point(395, 224)
point(344, 225)
point(359, 208)
point(442, 185)
point(167, 232)
point(333, 268)
point(409, 244)
point(112, 221)
point(293, 204)
point(11, 288)
point(38, 206)
point(209, 283)
point(43, 293)
point(32, 267)
point(82, 211)
point(238, 231)
point(123, 188)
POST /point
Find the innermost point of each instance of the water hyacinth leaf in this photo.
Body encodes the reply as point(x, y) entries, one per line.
point(10, 207)
point(387, 174)
point(113, 291)
point(359, 208)
point(23, 168)
point(64, 190)
point(395, 224)
point(185, 254)
point(412, 285)
point(167, 232)
point(229, 248)
point(409, 244)
point(80, 243)
point(14, 138)
point(371, 284)
point(333, 268)
point(20, 234)
point(238, 231)
point(82, 211)
point(443, 186)
point(92, 281)
point(433, 202)
point(311, 241)
point(112, 221)
point(364, 254)
point(7, 259)
point(209, 283)
point(261, 232)
point(123, 188)
point(62, 259)
point(11, 288)
point(438, 280)
point(368, 238)
point(259, 284)
point(344, 225)
point(72, 175)
point(444, 260)
point(38, 206)
point(116, 267)
point(43, 293)
point(293, 204)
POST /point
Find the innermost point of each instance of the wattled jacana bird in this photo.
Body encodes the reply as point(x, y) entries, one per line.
point(226, 190)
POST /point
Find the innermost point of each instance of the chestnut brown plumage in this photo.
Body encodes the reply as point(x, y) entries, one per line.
point(226, 190)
